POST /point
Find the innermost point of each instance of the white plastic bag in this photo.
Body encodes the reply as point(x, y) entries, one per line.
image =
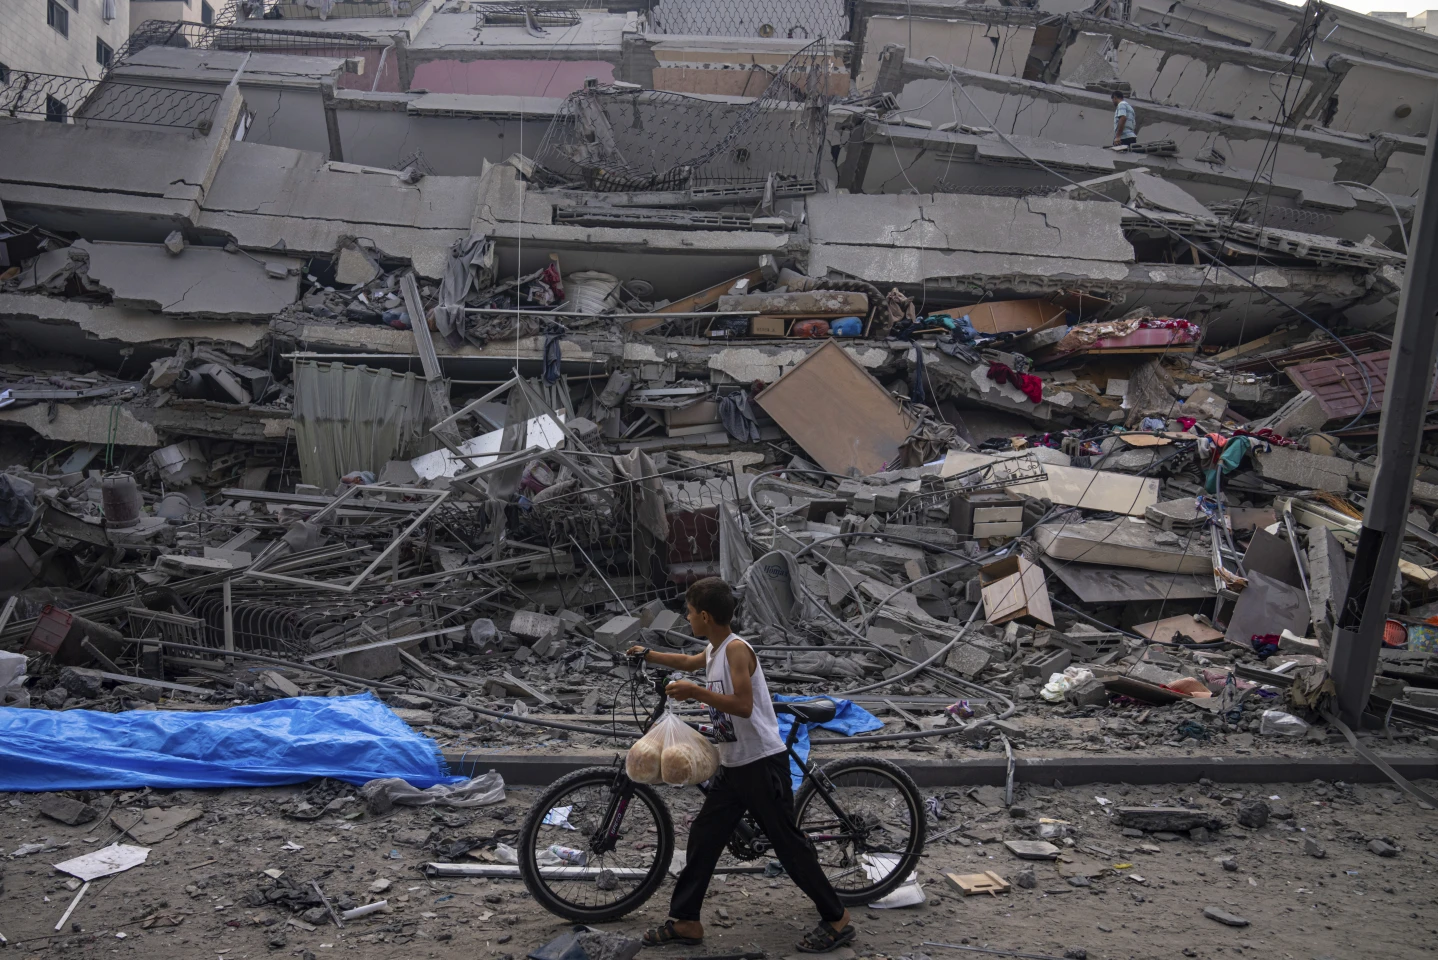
point(672, 752)
point(1277, 723)
point(1059, 683)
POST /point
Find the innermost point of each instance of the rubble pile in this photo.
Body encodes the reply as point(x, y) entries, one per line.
point(1169, 534)
point(1013, 434)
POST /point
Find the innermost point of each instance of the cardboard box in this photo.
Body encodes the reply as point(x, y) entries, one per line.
point(1014, 589)
point(768, 327)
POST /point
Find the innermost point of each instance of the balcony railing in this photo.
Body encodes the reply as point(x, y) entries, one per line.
point(78, 99)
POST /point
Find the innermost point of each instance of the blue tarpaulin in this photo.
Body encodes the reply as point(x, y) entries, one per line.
point(355, 739)
point(848, 720)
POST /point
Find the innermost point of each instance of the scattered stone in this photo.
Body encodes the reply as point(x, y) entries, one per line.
point(1026, 879)
point(1075, 953)
point(1230, 865)
point(456, 717)
point(1252, 814)
point(1224, 917)
point(380, 885)
point(67, 811)
point(55, 697)
point(1314, 849)
point(1382, 848)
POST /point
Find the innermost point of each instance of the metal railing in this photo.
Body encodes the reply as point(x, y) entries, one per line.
point(247, 11)
point(248, 38)
point(66, 99)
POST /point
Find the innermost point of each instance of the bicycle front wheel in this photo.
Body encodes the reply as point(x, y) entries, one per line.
point(596, 846)
point(869, 832)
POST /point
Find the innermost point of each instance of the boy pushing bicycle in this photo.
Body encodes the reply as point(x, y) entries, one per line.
point(753, 776)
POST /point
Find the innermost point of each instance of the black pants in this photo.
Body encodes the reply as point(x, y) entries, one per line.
point(761, 788)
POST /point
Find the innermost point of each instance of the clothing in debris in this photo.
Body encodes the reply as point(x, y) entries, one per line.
point(1032, 386)
point(736, 412)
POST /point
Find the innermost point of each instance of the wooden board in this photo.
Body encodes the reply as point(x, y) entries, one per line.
point(1162, 631)
point(1339, 386)
point(842, 417)
point(1008, 316)
point(971, 883)
point(1073, 486)
point(697, 301)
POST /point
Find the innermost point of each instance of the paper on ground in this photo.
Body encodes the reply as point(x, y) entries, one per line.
point(907, 894)
point(116, 858)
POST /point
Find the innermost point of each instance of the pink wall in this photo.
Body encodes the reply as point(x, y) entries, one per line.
point(522, 78)
point(388, 79)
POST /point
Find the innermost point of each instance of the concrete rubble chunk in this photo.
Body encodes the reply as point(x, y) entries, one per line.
point(618, 633)
point(536, 626)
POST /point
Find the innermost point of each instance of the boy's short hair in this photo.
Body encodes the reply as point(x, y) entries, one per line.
point(712, 596)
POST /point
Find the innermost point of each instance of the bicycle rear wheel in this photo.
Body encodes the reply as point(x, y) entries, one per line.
point(872, 843)
point(622, 830)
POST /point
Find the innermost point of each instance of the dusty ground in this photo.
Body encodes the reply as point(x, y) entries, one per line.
point(209, 876)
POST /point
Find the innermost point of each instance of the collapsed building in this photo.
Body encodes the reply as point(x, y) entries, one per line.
point(428, 346)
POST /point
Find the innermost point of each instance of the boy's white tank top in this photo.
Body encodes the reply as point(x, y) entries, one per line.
point(741, 739)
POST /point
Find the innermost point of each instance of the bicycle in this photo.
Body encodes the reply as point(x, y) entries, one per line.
point(596, 846)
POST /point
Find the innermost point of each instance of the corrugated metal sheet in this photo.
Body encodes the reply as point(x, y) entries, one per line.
point(1339, 387)
point(357, 418)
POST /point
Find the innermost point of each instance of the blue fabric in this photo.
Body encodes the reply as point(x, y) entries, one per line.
point(847, 327)
point(848, 720)
point(355, 739)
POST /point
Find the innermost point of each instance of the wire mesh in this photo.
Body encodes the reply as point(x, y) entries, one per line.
point(198, 36)
point(63, 98)
point(237, 11)
point(622, 139)
point(794, 19)
point(526, 15)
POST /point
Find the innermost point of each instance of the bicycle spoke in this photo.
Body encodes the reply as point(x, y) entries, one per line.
point(863, 848)
point(602, 878)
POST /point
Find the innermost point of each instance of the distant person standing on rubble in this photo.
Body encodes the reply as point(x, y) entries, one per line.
point(1125, 123)
point(753, 776)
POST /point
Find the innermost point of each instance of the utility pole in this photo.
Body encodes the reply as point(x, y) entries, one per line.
point(1358, 636)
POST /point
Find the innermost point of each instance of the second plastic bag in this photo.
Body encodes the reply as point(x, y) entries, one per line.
point(672, 752)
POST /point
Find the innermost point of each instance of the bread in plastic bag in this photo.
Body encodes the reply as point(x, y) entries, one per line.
point(642, 763)
point(672, 752)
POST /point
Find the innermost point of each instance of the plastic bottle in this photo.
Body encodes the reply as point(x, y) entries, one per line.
point(570, 855)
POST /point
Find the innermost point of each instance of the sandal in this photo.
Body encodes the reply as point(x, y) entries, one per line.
point(825, 938)
point(665, 935)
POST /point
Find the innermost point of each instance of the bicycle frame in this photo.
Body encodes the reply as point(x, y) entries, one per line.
point(609, 831)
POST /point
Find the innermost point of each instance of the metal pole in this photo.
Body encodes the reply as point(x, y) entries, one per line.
point(1358, 636)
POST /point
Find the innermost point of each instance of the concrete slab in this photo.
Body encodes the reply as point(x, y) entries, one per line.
point(201, 281)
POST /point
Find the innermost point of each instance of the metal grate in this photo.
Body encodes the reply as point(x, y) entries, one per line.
point(526, 15)
point(197, 36)
point(238, 11)
point(78, 98)
point(613, 139)
point(792, 19)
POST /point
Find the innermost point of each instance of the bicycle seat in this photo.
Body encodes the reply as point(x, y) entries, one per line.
point(809, 711)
